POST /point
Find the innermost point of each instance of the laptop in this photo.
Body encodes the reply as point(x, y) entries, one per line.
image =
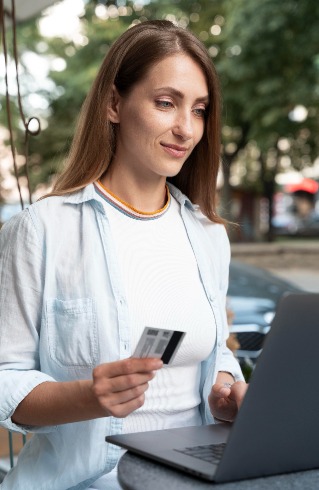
point(277, 428)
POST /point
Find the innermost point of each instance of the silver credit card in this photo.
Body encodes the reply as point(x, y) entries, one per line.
point(159, 343)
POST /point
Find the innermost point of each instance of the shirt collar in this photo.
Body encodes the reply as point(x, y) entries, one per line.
point(180, 197)
point(88, 193)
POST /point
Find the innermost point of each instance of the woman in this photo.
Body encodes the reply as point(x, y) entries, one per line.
point(115, 248)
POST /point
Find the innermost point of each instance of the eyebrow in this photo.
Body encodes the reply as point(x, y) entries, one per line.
point(180, 95)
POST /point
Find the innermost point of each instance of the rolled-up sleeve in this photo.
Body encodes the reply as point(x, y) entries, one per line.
point(22, 258)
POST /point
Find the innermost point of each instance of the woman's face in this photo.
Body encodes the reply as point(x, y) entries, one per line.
point(161, 120)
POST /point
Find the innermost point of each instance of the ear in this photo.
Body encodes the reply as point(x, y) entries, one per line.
point(113, 111)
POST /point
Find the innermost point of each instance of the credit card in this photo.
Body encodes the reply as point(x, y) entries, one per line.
point(159, 343)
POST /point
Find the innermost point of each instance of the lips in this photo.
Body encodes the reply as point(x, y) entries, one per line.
point(175, 150)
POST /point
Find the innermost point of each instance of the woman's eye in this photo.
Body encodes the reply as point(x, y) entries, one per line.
point(165, 104)
point(200, 111)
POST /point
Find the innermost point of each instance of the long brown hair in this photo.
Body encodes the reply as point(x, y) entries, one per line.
point(125, 64)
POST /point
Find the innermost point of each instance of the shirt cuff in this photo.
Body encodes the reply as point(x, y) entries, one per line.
point(15, 386)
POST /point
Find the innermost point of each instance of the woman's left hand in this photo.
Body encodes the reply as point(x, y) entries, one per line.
point(225, 400)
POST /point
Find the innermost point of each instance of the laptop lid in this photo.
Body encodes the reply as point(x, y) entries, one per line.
point(276, 430)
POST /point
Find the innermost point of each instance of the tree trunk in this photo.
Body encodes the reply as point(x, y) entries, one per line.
point(269, 184)
point(226, 192)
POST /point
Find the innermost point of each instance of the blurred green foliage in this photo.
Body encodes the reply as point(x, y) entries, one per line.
point(266, 53)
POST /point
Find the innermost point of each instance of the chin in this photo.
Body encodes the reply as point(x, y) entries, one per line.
point(172, 172)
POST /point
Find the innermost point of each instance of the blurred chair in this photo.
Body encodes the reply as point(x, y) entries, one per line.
point(245, 341)
point(11, 444)
point(11, 451)
point(251, 338)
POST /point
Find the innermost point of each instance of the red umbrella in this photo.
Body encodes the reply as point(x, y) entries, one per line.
point(307, 185)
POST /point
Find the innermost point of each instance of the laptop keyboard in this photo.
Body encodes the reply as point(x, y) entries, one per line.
point(211, 453)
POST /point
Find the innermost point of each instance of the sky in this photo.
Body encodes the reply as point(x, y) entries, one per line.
point(62, 19)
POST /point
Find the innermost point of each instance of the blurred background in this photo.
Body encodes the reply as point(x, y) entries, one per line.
point(267, 56)
point(266, 53)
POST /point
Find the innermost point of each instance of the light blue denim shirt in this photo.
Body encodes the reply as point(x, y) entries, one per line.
point(63, 311)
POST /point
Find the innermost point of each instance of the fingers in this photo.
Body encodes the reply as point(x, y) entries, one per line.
point(128, 366)
point(238, 391)
point(220, 390)
point(120, 383)
point(119, 387)
point(122, 403)
point(123, 375)
point(225, 400)
point(235, 392)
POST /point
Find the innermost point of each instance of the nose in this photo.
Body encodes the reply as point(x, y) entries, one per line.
point(183, 127)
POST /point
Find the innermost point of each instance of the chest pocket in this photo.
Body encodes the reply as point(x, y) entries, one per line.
point(71, 330)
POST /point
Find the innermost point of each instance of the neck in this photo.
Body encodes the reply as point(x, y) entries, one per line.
point(141, 194)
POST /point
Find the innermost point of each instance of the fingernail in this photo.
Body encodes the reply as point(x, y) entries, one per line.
point(158, 363)
point(227, 385)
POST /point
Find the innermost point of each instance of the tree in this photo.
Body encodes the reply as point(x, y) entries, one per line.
point(100, 26)
point(269, 68)
point(264, 51)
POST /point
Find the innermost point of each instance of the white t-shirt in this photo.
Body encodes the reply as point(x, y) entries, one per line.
point(163, 290)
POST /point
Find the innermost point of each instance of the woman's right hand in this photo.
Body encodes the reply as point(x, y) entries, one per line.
point(119, 387)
